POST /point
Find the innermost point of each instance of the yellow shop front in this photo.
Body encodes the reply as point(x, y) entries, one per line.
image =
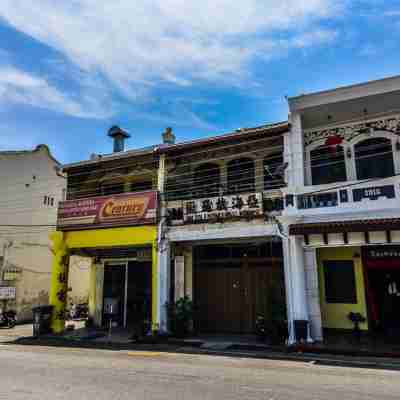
point(123, 252)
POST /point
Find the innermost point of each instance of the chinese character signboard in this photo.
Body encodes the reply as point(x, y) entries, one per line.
point(218, 209)
point(117, 210)
point(7, 292)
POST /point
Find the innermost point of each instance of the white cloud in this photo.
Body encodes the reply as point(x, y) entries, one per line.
point(136, 44)
point(17, 86)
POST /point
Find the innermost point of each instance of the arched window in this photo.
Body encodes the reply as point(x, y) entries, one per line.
point(327, 165)
point(112, 184)
point(241, 175)
point(374, 158)
point(206, 180)
point(273, 177)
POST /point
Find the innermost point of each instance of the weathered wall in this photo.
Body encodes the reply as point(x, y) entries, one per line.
point(29, 195)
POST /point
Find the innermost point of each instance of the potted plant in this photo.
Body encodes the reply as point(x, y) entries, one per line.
point(181, 316)
point(278, 330)
point(261, 329)
point(356, 318)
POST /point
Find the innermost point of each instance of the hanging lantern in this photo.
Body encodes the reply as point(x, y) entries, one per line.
point(333, 142)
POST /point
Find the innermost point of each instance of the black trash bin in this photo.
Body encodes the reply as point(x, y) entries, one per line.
point(301, 330)
point(42, 320)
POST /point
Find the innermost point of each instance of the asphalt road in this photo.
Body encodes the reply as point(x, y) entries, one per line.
point(57, 373)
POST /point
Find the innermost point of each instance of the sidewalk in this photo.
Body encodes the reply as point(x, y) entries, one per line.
point(200, 348)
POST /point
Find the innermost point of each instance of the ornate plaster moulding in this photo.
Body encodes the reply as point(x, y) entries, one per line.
point(350, 131)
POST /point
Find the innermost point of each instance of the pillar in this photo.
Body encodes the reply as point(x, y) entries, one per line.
point(259, 174)
point(295, 283)
point(163, 284)
point(312, 290)
point(223, 178)
point(154, 287)
point(188, 253)
point(59, 281)
point(92, 290)
point(294, 152)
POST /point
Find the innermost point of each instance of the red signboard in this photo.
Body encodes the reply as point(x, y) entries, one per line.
point(116, 210)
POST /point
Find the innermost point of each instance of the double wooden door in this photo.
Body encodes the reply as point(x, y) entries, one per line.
point(230, 295)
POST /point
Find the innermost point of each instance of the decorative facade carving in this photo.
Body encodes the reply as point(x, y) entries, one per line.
point(348, 132)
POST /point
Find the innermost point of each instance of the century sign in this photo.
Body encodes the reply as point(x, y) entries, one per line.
point(116, 210)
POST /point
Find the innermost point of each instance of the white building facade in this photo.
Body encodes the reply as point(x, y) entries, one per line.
point(342, 207)
point(31, 188)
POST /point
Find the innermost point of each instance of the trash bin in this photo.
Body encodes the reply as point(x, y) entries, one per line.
point(41, 320)
point(301, 330)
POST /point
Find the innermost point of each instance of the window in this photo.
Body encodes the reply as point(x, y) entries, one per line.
point(206, 180)
point(141, 186)
point(374, 158)
point(241, 175)
point(48, 201)
point(272, 177)
point(328, 165)
point(340, 282)
point(112, 187)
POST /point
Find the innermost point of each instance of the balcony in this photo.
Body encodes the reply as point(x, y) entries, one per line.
point(345, 197)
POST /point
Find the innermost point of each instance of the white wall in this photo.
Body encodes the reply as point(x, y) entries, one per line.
point(26, 177)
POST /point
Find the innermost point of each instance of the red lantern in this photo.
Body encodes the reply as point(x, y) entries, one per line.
point(332, 142)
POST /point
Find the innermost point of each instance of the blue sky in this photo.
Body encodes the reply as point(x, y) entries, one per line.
point(71, 69)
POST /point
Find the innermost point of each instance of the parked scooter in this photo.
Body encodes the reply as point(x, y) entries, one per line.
point(78, 311)
point(8, 319)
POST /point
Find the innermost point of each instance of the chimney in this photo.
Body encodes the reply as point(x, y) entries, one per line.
point(119, 137)
point(168, 136)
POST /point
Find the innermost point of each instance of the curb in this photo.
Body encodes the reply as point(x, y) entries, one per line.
point(312, 358)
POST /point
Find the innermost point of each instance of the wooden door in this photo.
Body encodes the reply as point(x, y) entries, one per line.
point(218, 294)
point(229, 298)
point(264, 286)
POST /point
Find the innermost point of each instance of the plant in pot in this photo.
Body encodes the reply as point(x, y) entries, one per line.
point(181, 316)
point(278, 329)
point(261, 327)
point(356, 318)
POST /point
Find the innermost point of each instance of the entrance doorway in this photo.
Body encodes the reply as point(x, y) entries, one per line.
point(127, 293)
point(235, 284)
point(382, 275)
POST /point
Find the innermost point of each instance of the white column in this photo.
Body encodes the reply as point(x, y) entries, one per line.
point(189, 272)
point(163, 260)
point(259, 174)
point(223, 177)
point(312, 289)
point(294, 152)
point(296, 299)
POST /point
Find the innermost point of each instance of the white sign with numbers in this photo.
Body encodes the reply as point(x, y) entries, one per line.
point(7, 292)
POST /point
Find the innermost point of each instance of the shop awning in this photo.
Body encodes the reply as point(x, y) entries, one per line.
point(365, 225)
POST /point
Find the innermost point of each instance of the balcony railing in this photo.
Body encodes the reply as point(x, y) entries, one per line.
point(345, 197)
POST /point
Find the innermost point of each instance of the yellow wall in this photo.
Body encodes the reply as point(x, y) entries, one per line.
point(109, 237)
point(335, 315)
point(132, 236)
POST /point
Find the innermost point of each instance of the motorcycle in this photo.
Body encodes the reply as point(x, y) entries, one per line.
point(8, 319)
point(78, 311)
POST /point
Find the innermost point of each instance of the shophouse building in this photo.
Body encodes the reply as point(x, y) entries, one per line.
point(31, 188)
point(343, 155)
point(220, 201)
point(110, 217)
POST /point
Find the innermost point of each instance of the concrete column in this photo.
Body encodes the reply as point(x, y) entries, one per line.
point(92, 290)
point(223, 177)
point(59, 281)
point(294, 152)
point(295, 283)
point(259, 174)
point(313, 298)
point(164, 280)
point(189, 272)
